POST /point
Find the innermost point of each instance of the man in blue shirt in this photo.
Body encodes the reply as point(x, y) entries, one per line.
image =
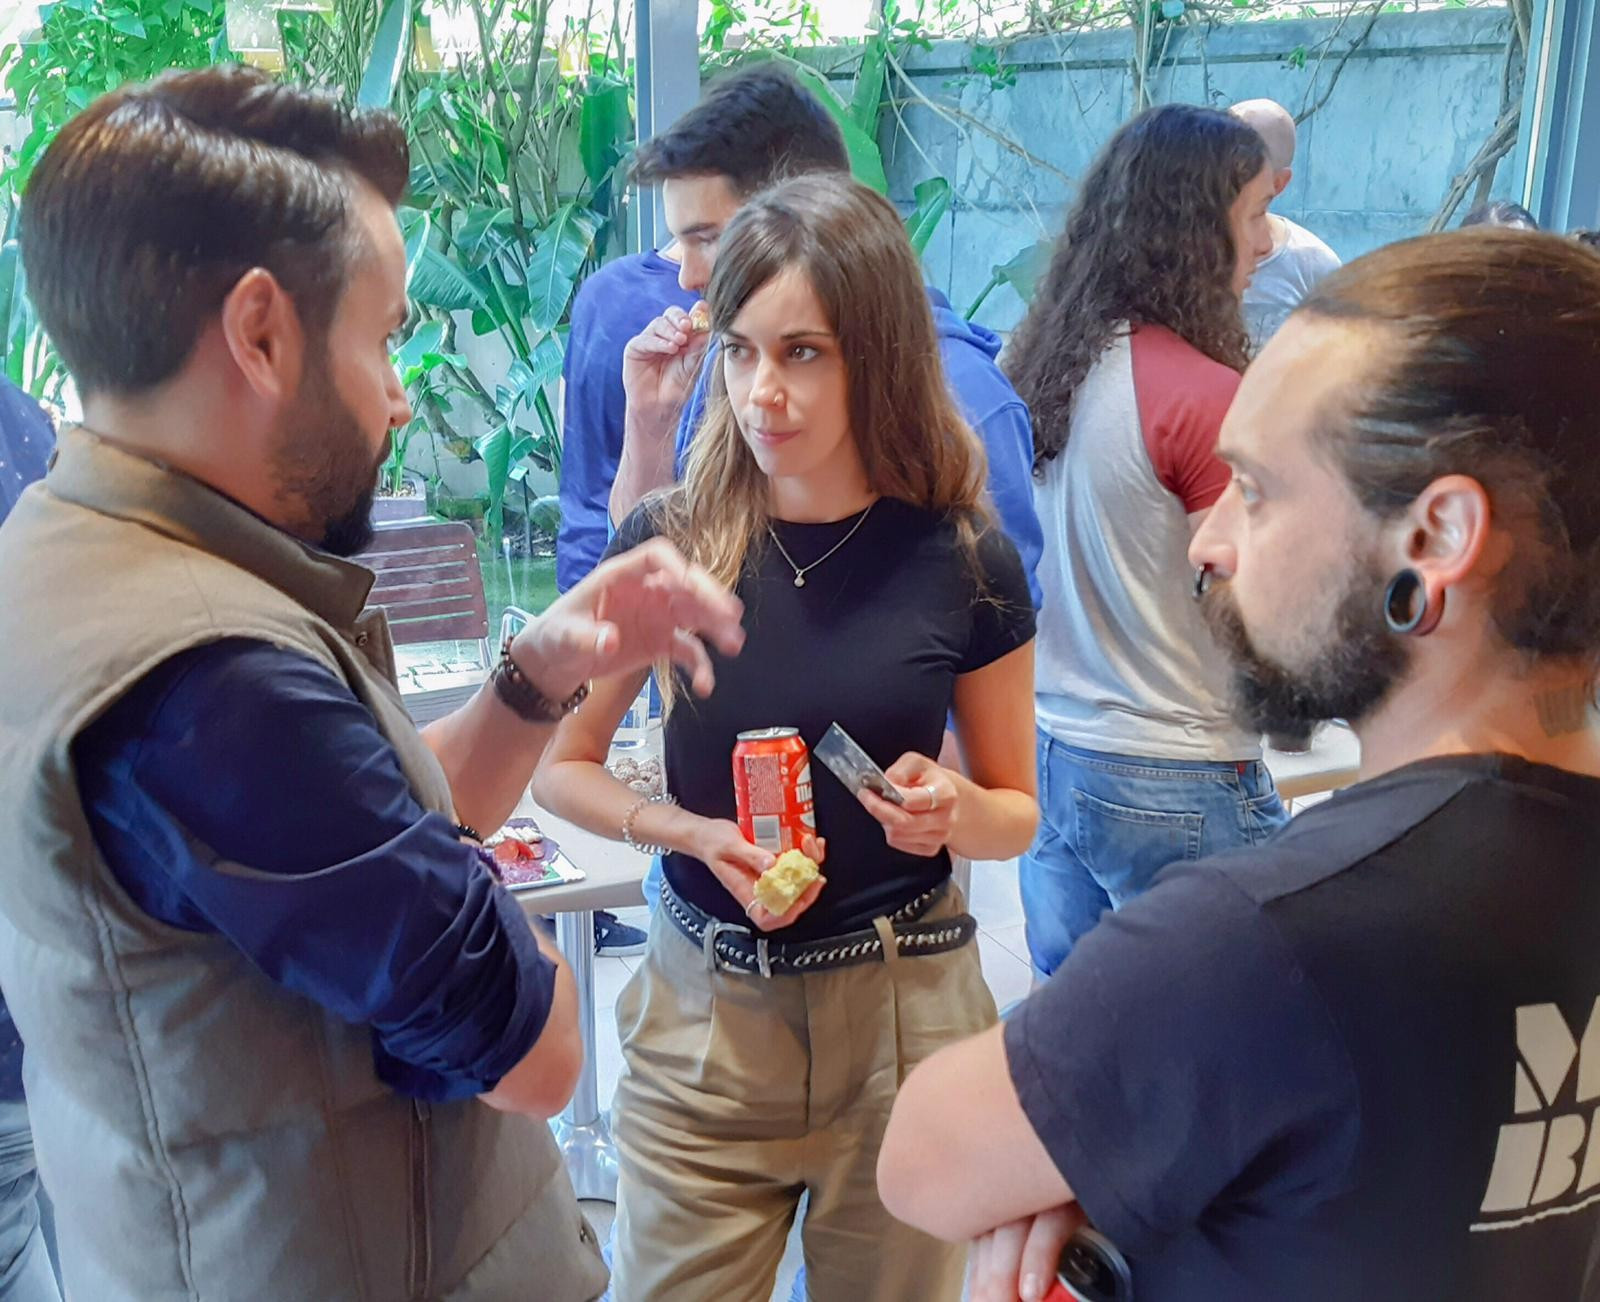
point(26, 438)
point(612, 306)
point(246, 932)
point(751, 129)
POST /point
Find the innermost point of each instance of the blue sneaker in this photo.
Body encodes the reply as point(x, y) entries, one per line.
point(614, 938)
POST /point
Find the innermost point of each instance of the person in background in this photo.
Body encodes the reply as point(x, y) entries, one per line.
point(1128, 358)
point(836, 487)
point(1359, 1061)
point(284, 1028)
point(1501, 212)
point(752, 128)
point(1298, 259)
point(613, 304)
point(26, 1274)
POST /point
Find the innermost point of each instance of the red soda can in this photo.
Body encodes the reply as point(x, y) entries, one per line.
point(772, 787)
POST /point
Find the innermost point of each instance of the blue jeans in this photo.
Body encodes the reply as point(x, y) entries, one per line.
point(25, 1271)
point(1110, 823)
point(652, 883)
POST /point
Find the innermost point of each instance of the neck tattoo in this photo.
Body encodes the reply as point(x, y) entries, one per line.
point(1564, 710)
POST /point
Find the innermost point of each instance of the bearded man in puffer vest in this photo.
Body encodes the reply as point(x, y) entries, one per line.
point(285, 1035)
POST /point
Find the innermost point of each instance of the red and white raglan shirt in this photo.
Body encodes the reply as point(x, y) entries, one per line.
point(1125, 663)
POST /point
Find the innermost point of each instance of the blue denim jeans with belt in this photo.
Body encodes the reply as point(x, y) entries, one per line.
point(26, 1274)
point(1110, 823)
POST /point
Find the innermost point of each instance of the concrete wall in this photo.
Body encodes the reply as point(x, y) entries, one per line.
point(1409, 111)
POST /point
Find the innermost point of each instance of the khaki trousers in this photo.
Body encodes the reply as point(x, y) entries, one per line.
point(739, 1093)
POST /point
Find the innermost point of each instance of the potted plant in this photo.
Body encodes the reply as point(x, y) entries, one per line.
point(401, 496)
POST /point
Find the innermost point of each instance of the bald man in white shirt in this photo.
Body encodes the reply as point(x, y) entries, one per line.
point(1298, 258)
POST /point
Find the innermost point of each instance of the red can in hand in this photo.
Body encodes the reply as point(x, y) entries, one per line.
point(772, 788)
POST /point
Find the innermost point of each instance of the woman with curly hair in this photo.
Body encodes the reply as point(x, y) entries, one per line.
point(1129, 358)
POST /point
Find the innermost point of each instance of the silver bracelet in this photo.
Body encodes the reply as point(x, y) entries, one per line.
point(633, 812)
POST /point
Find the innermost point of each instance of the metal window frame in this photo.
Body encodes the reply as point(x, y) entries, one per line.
point(666, 79)
point(1558, 161)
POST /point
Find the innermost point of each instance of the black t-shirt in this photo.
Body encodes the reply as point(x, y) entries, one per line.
point(1359, 1062)
point(874, 641)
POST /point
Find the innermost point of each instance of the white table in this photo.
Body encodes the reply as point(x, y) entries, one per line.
point(614, 878)
point(1333, 761)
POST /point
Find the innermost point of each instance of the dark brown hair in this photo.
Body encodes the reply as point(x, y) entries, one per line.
point(851, 245)
point(1493, 371)
point(152, 202)
point(1501, 212)
point(755, 127)
point(1148, 242)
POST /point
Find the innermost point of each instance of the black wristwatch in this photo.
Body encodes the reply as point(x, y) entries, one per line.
point(525, 700)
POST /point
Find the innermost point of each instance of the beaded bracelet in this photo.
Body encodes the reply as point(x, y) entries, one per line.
point(525, 700)
point(633, 813)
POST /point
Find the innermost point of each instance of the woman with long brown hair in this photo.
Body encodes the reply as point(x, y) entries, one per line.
point(1129, 358)
point(835, 488)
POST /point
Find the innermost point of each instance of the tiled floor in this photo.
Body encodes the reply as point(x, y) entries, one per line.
point(1001, 948)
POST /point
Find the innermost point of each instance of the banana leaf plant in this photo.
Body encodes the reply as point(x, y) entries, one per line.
point(775, 31)
point(26, 357)
point(515, 150)
point(1022, 272)
point(80, 49)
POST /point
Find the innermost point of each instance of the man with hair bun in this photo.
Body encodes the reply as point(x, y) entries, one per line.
point(1363, 1059)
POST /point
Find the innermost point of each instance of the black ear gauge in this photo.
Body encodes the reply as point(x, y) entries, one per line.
point(1406, 608)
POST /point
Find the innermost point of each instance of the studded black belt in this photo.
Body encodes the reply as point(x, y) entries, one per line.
point(742, 949)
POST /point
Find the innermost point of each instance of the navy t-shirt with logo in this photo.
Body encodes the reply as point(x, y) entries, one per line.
point(1360, 1063)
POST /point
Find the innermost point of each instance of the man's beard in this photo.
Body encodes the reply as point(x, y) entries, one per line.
point(351, 533)
point(322, 469)
point(1359, 665)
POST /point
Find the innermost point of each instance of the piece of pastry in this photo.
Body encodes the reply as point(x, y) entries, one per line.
point(786, 881)
point(700, 317)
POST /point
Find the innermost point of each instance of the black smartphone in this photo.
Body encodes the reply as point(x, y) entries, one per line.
point(853, 766)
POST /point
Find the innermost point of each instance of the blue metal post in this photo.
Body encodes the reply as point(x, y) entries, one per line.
point(666, 73)
point(1561, 160)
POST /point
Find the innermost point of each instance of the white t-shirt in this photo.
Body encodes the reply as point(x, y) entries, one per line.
point(1283, 278)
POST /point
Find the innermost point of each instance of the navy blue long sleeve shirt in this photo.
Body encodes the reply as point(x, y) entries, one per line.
point(613, 305)
point(243, 789)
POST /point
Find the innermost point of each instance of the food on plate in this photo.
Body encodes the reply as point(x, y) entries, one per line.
point(786, 881)
point(643, 777)
point(515, 850)
point(519, 841)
